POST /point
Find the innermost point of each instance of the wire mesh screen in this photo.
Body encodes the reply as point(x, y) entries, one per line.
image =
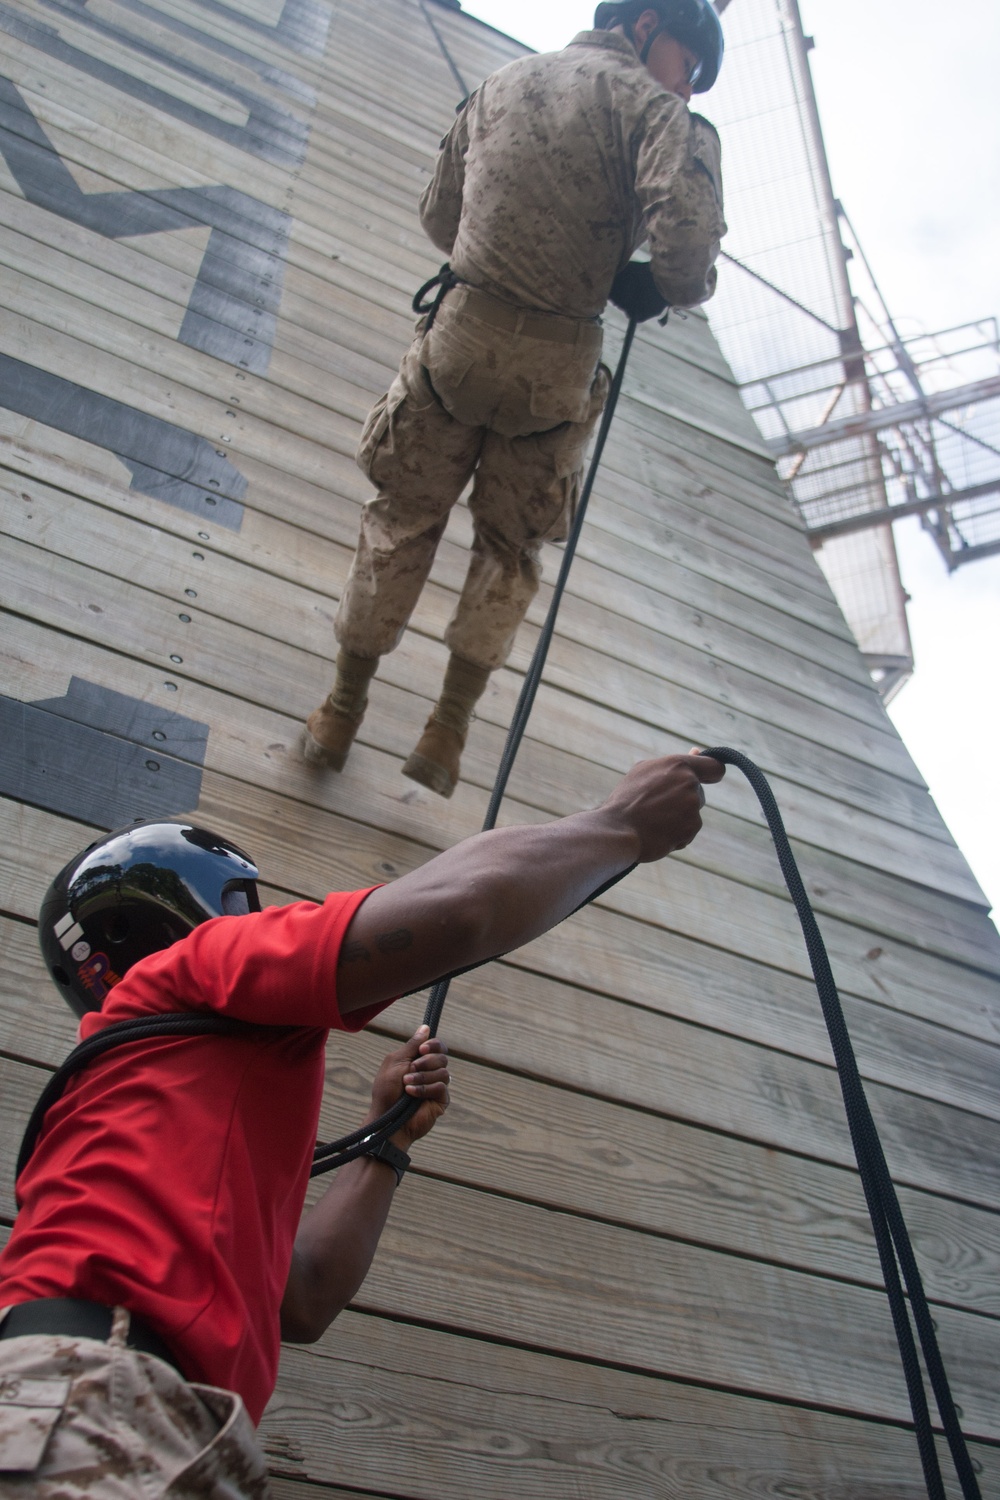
point(784, 312)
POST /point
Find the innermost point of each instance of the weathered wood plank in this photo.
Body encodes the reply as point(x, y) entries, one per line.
point(59, 592)
point(757, 925)
point(353, 1409)
point(494, 1422)
point(35, 666)
point(520, 1136)
point(296, 1489)
point(303, 405)
point(661, 1305)
point(714, 619)
point(47, 517)
point(720, 1081)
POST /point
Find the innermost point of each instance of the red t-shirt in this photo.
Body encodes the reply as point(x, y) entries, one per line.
point(170, 1176)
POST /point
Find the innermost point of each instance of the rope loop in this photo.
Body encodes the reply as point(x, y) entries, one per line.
point(445, 280)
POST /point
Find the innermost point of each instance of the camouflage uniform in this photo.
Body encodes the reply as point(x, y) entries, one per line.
point(554, 172)
point(86, 1420)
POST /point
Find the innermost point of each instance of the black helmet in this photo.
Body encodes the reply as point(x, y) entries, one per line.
point(132, 893)
point(693, 23)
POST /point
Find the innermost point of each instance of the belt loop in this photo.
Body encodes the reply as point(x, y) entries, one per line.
point(121, 1323)
point(522, 317)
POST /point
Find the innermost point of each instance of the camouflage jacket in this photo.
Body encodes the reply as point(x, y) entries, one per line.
point(560, 165)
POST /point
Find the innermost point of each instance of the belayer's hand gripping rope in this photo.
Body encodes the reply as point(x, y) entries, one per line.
point(891, 1237)
point(357, 1143)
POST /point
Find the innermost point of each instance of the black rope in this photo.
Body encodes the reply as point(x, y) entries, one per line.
point(139, 1029)
point(334, 1154)
point(891, 1237)
point(444, 51)
point(444, 280)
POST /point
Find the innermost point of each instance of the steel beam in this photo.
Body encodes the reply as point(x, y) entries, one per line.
point(887, 513)
point(885, 417)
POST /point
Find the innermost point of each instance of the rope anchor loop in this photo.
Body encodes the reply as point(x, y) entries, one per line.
point(445, 280)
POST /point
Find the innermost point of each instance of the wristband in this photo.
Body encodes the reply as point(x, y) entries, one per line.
point(393, 1157)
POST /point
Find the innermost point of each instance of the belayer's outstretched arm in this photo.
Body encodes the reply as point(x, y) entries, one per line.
point(496, 891)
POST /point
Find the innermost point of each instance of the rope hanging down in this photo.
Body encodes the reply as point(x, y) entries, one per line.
point(891, 1236)
point(336, 1153)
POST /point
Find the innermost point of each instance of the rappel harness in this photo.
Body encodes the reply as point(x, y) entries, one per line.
point(892, 1239)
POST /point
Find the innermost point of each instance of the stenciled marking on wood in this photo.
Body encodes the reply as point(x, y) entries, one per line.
point(302, 25)
point(278, 78)
point(166, 462)
point(99, 756)
point(232, 310)
point(271, 133)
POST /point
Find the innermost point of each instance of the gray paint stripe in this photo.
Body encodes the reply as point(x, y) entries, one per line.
point(166, 462)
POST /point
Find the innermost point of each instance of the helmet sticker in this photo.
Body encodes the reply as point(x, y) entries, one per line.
point(97, 976)
point(68, 931)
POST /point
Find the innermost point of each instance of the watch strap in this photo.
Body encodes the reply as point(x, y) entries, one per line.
point(393, 1156)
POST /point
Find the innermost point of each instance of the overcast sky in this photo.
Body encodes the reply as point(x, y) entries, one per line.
point(908, 99)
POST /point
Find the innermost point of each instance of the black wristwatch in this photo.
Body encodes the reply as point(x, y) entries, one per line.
point(393, 1157)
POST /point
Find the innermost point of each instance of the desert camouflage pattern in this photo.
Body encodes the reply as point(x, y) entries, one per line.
point(85, 1420)
point(560, 165)
point(511, 410)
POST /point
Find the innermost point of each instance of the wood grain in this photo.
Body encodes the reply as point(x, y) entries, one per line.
point(516, 1134)
point(646, 1162)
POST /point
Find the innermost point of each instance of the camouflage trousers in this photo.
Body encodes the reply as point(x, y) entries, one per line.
point(81, 1419)
point(491, 393)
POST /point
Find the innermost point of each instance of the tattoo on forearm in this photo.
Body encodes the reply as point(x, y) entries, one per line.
point(395, 941)
point(353, 953)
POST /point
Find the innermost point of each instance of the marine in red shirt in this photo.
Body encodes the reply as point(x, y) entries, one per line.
point(159, 1254)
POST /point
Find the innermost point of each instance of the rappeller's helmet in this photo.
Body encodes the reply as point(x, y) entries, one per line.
point(132, 893)
point(693, 23)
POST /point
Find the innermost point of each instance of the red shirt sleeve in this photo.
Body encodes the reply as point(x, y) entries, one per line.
point(276, 967)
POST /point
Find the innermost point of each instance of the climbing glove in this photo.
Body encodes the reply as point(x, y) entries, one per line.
point(636, 293)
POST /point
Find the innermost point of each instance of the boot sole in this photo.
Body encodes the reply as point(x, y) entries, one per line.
point(317, 755)
point(429, 774)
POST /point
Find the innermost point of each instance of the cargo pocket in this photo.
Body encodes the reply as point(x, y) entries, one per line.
point(562, 386)
point(449, 355)
point(232, 1462)
point(571, 441)
point(29, 1411)
point(409, 385)
point(375, 428)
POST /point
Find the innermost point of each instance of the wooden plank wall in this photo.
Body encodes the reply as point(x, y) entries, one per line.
point(634, 1261)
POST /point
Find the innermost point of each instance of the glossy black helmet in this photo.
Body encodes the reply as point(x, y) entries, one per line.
point(132, 893)
point(693, 23)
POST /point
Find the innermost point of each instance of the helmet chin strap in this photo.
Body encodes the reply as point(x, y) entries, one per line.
point(644, 51)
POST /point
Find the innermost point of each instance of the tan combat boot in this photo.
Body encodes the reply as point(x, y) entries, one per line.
point(436, 761)
point(330, 729)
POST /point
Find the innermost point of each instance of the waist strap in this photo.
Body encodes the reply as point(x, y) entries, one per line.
point(73, 1318)
point(554, 327)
